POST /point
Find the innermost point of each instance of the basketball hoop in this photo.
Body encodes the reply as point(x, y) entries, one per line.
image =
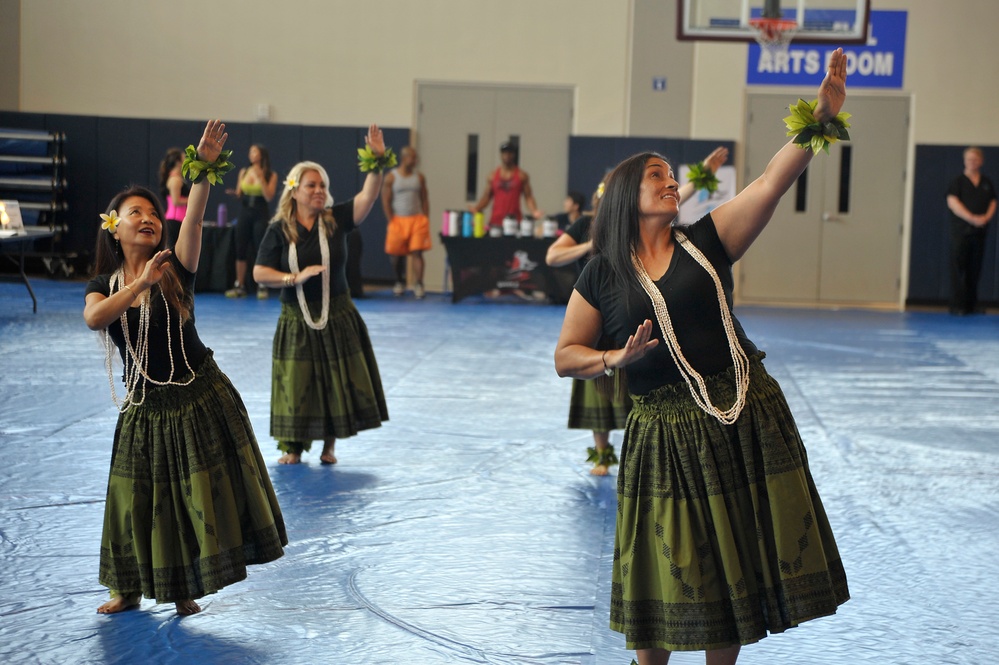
point(774, 34)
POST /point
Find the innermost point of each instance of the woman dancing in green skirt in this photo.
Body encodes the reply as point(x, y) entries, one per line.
point(721, 537)
point(189, 502)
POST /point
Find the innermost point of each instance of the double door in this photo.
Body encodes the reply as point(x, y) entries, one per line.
point(459, 129)
point(837, 235)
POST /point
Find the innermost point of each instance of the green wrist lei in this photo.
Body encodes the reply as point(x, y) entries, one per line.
point(809, 133)
point(367, 160)
point(702, 178)
point(194, 169)
point(605, 457)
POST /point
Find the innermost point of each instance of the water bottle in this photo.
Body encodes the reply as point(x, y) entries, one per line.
point(223, 215)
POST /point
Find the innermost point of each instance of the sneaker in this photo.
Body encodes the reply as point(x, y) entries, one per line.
point(419, 292)
point(236, 292)
point(262, 293)
point(398, 289)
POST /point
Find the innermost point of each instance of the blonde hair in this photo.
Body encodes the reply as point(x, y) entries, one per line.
point(286, 208)
point(978, 151)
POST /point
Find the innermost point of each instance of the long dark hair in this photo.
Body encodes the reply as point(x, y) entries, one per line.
point(108, 256)
point(172, 157)
point(265, 161)
point(615, 230)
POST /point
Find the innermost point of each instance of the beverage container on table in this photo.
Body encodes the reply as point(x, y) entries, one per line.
point(510, 226)
point(479, 225)
point(223, 215)
point(466, 224)
point(527, 228)
point(549, 228)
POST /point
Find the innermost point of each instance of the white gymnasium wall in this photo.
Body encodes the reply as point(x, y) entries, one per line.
point(10, 55)
point(322, 62)
point(337, 62)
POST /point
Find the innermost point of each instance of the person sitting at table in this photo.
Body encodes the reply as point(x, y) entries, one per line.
point(572, 210)
point(505, 187)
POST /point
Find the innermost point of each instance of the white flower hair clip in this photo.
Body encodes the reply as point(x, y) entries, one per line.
point(110, 223)
point(290, 183)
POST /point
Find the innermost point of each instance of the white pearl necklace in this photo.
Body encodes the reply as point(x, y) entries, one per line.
point(324, 250)
point(136, 370)
point(739, 359)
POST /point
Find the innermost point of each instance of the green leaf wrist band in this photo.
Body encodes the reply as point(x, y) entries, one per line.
point(809, 133)
point(195, 169)
point(702, 178)
point(367, 160)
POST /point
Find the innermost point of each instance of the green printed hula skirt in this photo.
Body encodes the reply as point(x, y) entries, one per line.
point(324, 383)
point(589, 409)
point(189, 503)
point(721, 536)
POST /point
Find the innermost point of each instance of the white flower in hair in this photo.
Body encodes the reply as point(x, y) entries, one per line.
point(110, 223)
point(290, 182)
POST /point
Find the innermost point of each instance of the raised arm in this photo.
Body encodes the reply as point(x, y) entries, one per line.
point(188, 245)
point(712, 163)
point(740, 220)
point(372, 189)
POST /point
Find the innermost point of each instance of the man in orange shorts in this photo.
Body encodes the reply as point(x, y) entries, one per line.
point(407, 207)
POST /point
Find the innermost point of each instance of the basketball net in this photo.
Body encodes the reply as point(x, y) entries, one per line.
point(774, 34)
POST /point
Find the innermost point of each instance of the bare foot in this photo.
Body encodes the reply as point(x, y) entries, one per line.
point(187, 607)
point(290, 458)
point(599, 470)
point(328, 457)
point(120, 604)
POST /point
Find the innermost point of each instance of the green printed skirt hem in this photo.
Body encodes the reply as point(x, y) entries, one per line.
point(324, 383)
point(189, 502)
point(721, 537)
point(589, 409)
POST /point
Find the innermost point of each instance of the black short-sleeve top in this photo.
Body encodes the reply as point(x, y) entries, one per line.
point(692, 302)
point(975, 199)
point(580, 232)
point(159, 359)
point(273, 253)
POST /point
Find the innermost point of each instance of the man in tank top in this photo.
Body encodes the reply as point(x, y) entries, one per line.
point(505, 187)
point(407, 207)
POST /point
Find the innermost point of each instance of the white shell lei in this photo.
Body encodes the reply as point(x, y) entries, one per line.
point(324, 250)
point(139, 354)
point(739, 359)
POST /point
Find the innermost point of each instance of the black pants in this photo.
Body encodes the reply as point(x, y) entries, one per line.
point(254, 216)
point(967, 249)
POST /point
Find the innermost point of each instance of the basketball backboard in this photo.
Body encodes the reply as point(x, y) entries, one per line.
point(835, 21)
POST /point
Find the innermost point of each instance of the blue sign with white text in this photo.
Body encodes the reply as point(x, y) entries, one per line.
point(879, 63)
